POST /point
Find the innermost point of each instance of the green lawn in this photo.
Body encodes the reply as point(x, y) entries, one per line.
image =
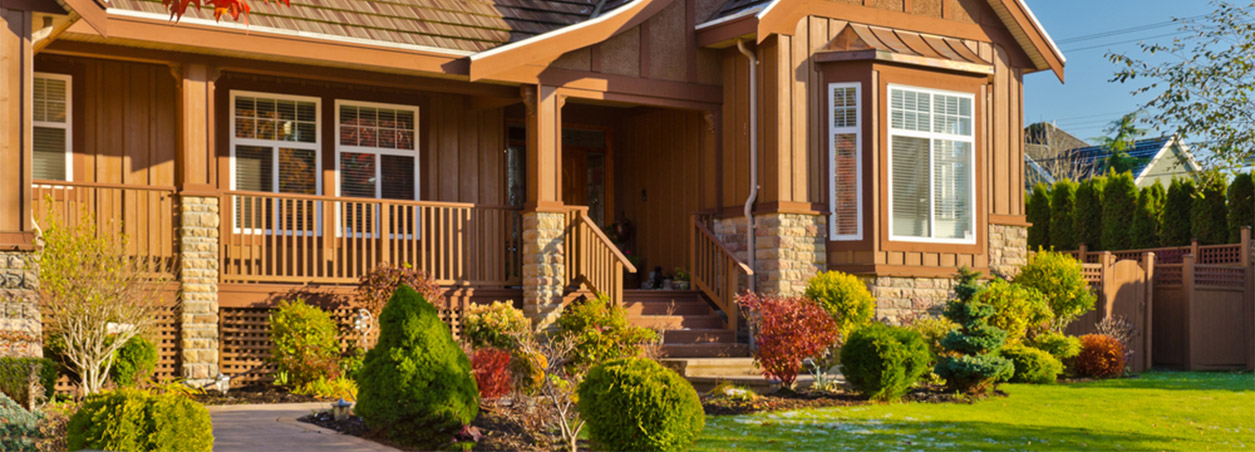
point(1160, 411)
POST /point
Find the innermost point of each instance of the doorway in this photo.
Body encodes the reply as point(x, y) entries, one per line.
point(587, 171)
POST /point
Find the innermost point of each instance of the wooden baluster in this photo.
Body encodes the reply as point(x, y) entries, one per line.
point(385, 233)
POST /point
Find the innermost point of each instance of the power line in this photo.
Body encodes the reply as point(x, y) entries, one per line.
point(1128, 30)
point(1127, 41)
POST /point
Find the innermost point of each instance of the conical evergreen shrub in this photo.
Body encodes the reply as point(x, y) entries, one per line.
point(1038, 209)
point(1208, 222)
point(416, 385)
point(1062, 216)
point(972, 364)
point(1175, 228)
point(1145, 230)
point(1241, 205)
point(1119, 203)
point(1087, 224)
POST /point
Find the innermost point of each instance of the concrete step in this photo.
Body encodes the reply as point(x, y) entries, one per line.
point(654, 307)
point(698, 336)
point(669, 322)
point(713, 367)
point(704, 350)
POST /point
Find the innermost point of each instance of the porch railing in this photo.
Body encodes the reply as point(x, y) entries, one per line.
point(716, 271)
point(269, 237)
point(592, 259)
point(143, 214)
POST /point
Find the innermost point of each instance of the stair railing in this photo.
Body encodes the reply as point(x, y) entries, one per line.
point(716, 271)
point(592, 259)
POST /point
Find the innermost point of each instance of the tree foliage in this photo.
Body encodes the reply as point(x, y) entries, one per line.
point(1208, 222)
point(1203, 91)
point(1038, 210)
point(1146, 219)
point(1062, 203)
point(1175, 229)
point(971, 363)
point(1087, 220)
point(1122, 135)
point(233, 8)
point(1118, 207)
point(1241, 205)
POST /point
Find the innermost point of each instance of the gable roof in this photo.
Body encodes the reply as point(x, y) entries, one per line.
point(1092, 160)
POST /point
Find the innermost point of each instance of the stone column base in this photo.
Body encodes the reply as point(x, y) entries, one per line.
point(198, 289)
point(21, 329)
point(789, 250)
point(544, 266)
point(1008, 249)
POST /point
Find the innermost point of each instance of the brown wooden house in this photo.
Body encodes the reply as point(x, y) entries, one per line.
point(495, 144)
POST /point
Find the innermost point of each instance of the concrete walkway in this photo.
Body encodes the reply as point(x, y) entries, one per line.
point(274, 428)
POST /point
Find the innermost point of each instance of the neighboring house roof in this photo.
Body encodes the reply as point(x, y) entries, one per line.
point(460, 25)
point(1036, 173)
point(1092, 160)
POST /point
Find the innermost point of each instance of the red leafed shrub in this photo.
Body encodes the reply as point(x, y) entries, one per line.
point(1101, 356)
point(375, 287)
point(787, 331)
point(491, 367)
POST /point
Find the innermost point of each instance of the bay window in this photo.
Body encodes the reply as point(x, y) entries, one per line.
point(845, 163)
point(931, 166)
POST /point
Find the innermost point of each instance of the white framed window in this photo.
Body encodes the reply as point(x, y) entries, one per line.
point(845, 162)
point(377, 158)
point(52, 128)
point(932, 166)
point(275, 146)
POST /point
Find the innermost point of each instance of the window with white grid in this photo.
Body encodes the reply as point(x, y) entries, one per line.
point(51, 137)
point(845, 178)
point(275, 148)
point(931, 166)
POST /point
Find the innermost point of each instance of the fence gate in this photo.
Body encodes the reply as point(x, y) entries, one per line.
point(1124, 291)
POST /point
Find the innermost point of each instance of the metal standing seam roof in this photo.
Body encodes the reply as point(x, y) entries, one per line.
point(856, 37)
point(463, 25)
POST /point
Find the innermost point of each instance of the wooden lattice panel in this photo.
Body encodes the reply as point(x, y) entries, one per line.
point(1168, 275)
point(1220, 276)
point(1093, 275)
point(1171, 255)
point(1220, 254)
point(165, 336)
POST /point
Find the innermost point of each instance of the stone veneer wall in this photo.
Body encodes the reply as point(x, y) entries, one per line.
point(1008, 249)
point(900, 298)
point(544, 269)
point(789, 250)
point(21, 333)
point(198, 277)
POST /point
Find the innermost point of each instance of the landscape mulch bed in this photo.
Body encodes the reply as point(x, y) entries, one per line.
point(499, 426)
point(253, 394)
point(784, 400)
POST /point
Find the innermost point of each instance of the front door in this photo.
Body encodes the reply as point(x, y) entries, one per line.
point(586, 171)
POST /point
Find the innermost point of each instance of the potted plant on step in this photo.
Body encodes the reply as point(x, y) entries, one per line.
point(681, 280)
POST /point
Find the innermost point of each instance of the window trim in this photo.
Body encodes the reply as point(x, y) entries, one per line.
point(857, 130)
point(379, 151)
point(68, 125)
point(930, 136)
point(274, 146)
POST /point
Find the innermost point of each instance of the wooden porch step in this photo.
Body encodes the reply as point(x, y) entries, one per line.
point(656, 307)
point(698, 336)
point(675, 322)
point(705, 350)
point(661, 295)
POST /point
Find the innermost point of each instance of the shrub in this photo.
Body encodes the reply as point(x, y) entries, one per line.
point(15, 376)
point(1144, 232)
point(636, 404)
point(1062, 217)
point(1059, 277)
point(1087, 216)
point(131, 419)
point(882, 361)
point(602, 332)
point(135, 362)
point(377, 286)
point(1101, 356)
point(971, 363)
point(19, 427)
point(494, 325)
point(1032, 365)
point(304, 341)
point(933, 328)
point(1207, 213)
point(1038, 208)
point(1018, 310)
point(845, 297)
point(1119, 203)
point(787, 331)
point(416, 385)
point(329, 389)
point(491, 367)
point(1058, 345)
point(527, 371)
point(53, 422)
point(1175, 229)
point(1241, 205)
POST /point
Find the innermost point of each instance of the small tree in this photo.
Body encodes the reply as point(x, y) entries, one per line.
point(1146, 219)
point(94, 296)
point(1062, 215)
point(1208, 211)
point(1118, 206)
point(1088, 220)
point(1241, 205)
point(1175, 228)
point(1039, 215)
point(971, 363)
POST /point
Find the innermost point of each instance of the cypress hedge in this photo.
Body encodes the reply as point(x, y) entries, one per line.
point(1038, 209)
point(1208, 222)
point(1241, 205)
point(1175, 229)
point(1145, 230)
point(1119, 203)
point(1062, 203)
point(1087, 223)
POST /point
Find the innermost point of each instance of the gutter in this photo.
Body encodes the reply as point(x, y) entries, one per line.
point(749, 201)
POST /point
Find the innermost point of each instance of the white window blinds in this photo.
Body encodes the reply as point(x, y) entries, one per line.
point(845, 162)
point(51, 131)
point(378, 152)
point(932, 197)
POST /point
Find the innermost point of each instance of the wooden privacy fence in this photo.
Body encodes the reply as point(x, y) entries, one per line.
point(716, 271)
point(1123, 288)
point(591, 258)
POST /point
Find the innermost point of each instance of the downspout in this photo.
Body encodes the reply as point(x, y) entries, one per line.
point(749, 201)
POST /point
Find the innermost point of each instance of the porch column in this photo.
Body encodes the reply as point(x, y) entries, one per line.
point(544, 219)
point(199, 222)
point(790, 248)
point(20, 328)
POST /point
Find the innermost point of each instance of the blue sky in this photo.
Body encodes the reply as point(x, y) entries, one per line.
point(1087, 102)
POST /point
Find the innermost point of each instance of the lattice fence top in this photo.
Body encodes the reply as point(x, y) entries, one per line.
point(1220, 276)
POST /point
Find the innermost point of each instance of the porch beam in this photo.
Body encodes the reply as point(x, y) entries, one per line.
point(16, 81)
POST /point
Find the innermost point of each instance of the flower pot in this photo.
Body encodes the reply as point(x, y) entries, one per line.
point(680, 285)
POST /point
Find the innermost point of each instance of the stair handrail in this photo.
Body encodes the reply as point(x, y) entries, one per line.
point(592, 259)
point(716, 271)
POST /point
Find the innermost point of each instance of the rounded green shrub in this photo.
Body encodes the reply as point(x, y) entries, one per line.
point(1058, 345)
point(131, 419)
point(1018, 310)
point(134, 362)
point(19, 427)
point(845, 297)
point(1038, 210)
point(1119, 203)
point(496, 325)
point(933, 328)
point(1175, 229)
point(1241, 205)
point(882, 362)
point(305, 344)
point(1059, 277)
point(602, 333)
point(15, 377)
point(1144, 233)
point(637, 404)
point(1062, 204)
point(1208, 222)
point(1032, 365)
point(1087, 217)
point(416, 385)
